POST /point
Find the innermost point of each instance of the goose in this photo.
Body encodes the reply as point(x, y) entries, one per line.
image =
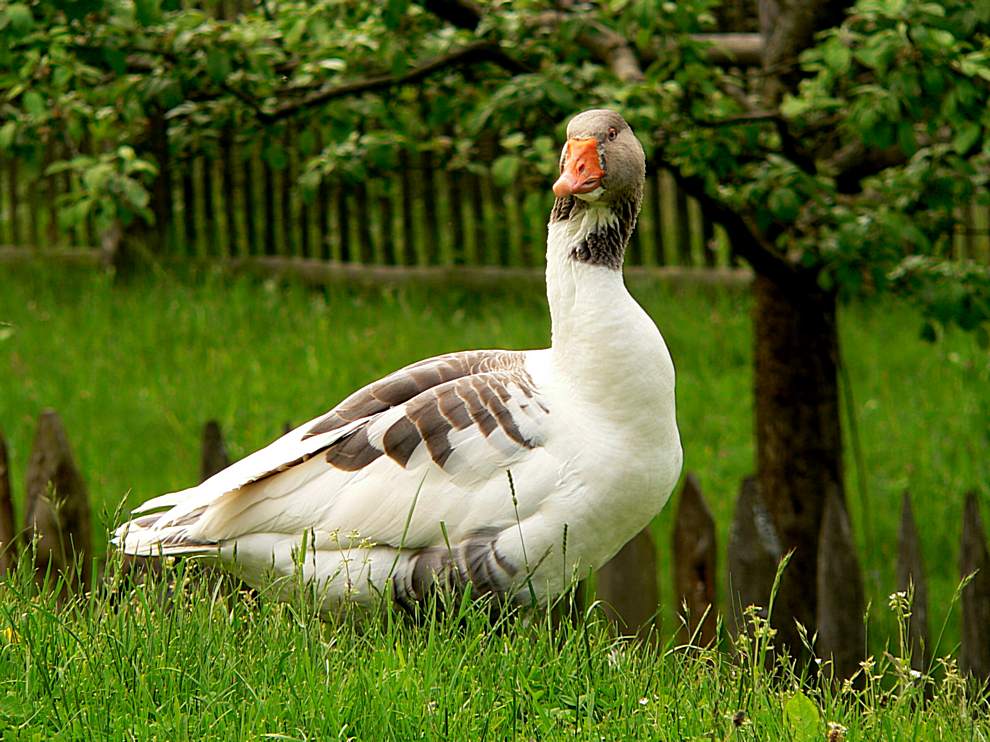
point(505, 472)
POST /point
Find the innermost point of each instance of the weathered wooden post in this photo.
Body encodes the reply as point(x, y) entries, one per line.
point(627, 585)
point(694, 563)
point(841, 601)
point(8, 547)
point(57, 506)
point(974, 654)
point(753, 553)
point(214, 456)
point(911, 579)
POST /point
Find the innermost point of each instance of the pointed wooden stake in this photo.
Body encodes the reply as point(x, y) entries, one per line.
point(974, 654)
point(214, 457)
point(694, 564)
point(8, 545)
point(57, 506)
point(753, 554)
point(911, 580)
point(841, 600)
point(628, 585)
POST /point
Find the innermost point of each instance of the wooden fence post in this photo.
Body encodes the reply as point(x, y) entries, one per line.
point(57, 507)
point(8, 546)
point(214, 457)
point(974, 654)
point(753, 553)
point(911, 579)
point(694, 563)
point(841, 601)
point(627, 585)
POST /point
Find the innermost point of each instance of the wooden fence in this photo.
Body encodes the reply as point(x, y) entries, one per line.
point(238, 200)
point(57, 519)
point(235, 201)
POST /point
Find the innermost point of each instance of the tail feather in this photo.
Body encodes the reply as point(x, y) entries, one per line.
point(143, 536)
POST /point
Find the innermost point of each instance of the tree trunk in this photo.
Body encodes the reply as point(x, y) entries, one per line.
point(798, 434)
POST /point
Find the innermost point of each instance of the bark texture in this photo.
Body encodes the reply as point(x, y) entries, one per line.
point(799, 445)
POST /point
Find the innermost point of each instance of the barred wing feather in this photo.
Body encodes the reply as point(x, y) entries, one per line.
point(427, 444)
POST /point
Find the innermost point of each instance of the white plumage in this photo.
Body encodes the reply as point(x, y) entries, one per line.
point(514, 470)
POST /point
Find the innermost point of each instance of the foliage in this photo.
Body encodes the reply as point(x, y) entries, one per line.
point(178, 657)
point(840, 166)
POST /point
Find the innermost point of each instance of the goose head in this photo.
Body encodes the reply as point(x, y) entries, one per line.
point(600, 188)
point(602, 160)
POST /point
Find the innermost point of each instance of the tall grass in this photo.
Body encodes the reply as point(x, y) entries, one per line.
point(136, 368)
point(172, 660)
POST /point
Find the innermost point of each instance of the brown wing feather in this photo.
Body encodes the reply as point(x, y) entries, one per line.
point(480, 400)
point(407, 383)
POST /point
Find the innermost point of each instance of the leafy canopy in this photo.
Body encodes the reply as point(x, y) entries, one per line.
point(844, 163)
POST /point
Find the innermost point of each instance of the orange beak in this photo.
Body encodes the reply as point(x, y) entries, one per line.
point(582, 171)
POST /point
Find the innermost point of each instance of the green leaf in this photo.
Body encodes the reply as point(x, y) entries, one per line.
point(967, 135)
point(34, 103)
point(801, 717)
point(504, 170)
point(906, 139)
point(276, 156)
point(116, 59)
point(784, 204)
point(148, 12)
point(134, 192)
point(20, 18)
point(7, 133)
point(307, 142)
point(394, 11)
point(837, 56)
point(218, 64)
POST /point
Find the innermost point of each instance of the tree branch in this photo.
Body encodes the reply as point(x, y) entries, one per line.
point(606, 45)
point(747, 240)
point(612, 49)
point(476, 53)
point(854, 162)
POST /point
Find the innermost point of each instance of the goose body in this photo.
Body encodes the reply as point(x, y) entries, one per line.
point(513, 470)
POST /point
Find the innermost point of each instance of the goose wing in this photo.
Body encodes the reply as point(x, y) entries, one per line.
point(424, 446)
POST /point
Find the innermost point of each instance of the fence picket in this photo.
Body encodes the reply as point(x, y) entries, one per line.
point(8, 547)
point(694, 563)
point(57, 506)
point(13, 181)
point(229, 193)
point(974, 559)
point(752, 554)
point(841, 597)
point(431, 228)
point(269, 243)
point(911, 579)
point(627, 585)
point(214, 457)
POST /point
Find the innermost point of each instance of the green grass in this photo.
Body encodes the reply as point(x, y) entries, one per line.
point(136, 369)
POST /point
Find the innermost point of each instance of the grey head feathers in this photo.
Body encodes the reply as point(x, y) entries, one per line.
point(623, 163)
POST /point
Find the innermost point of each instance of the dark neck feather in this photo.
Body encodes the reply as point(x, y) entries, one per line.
point(606, 245)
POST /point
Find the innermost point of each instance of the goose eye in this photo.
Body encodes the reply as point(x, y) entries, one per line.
point(612, 133)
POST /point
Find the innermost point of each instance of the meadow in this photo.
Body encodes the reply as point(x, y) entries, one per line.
point(136, 367)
